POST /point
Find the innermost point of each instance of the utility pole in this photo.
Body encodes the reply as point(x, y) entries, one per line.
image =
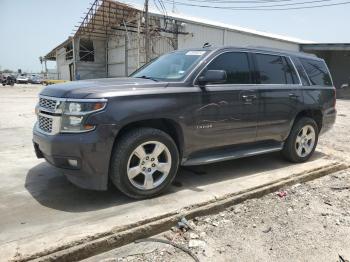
point(147, 36)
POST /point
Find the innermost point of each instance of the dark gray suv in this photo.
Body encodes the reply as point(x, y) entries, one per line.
point(188, 107)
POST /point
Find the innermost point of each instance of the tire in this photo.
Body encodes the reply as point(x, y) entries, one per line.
point(305, 130)
point(135, 156)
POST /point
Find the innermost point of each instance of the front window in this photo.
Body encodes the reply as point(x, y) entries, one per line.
point(236, 65)
point(172, 66)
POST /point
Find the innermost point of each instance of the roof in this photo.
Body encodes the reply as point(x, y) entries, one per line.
point(326, 47)
point(52, 54)
point(256, 49)
point(211, 23)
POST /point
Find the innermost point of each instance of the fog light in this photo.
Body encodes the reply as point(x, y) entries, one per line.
point(73, 162)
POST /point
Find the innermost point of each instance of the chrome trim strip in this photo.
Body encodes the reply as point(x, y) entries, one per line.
point(74, 99)
point(295, 70)
point(56, 124)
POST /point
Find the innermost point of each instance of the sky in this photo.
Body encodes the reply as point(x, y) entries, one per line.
point(31, 28)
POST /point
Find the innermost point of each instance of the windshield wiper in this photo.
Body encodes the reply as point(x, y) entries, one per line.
point(148, 77)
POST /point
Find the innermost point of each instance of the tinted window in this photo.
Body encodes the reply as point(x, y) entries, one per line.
point(317, 72)
point(236, 66)
point(275, 70)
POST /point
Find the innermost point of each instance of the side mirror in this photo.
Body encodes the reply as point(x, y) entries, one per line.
point(212, 76)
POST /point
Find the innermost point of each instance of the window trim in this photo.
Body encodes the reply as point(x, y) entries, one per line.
point(249, 52)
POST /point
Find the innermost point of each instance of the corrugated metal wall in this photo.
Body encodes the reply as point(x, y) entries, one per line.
point(136, 52)
point(200, 34)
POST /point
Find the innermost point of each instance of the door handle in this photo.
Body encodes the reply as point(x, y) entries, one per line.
point(293, 96)
point(249, 98)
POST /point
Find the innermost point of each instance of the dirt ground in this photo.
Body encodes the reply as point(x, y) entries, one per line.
point(310, 223)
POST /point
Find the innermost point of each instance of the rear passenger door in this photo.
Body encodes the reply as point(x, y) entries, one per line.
point(280, 96)
point(229, 111)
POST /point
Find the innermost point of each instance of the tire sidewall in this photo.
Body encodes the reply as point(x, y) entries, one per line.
point(292, 138)
point(123, 158)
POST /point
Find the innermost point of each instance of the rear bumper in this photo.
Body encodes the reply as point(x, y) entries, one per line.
point(83, 158)
point(329, 117)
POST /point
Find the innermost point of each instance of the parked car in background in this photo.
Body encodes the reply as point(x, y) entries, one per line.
point(8, 80)
point(22, 79)
point(36, 80)
point(188, 107)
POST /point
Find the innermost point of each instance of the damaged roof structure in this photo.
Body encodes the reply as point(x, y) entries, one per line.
point(110, 40)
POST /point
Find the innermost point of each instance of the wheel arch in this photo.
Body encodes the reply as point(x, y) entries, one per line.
point(315, 114)
point(169, 126)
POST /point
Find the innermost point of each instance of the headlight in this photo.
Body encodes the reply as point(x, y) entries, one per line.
point(79, 108)
point(75, 114)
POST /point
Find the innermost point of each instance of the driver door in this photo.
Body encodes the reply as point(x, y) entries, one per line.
point(229, 111)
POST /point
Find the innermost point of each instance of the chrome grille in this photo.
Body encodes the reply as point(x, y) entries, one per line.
point(45, 124)
point(47, 103)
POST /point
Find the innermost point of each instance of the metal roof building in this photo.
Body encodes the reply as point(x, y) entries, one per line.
point(110, 41)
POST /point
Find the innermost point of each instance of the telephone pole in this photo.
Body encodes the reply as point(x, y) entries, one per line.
point(147, 36)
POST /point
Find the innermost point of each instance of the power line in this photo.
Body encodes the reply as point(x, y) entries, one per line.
point(290, 4)
point(262, 8)
point(241, 2)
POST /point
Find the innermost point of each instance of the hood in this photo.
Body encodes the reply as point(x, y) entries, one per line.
point(100, 88)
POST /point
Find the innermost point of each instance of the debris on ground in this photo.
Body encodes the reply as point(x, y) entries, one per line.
point(180, 247)
point(281, 194)
point(312, 225)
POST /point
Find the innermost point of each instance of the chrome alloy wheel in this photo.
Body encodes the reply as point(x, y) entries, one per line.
point(149, 165)
point(305, 141)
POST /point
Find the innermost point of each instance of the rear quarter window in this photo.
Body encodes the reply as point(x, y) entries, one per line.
point(317, 72)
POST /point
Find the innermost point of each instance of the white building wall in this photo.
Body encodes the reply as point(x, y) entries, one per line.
point(116, 56)
point(62, 64)
point(200, 34)
point(97, 68)
point(241, 39)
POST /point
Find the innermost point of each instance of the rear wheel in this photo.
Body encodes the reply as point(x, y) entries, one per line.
point(302, 140)
point(144, 163)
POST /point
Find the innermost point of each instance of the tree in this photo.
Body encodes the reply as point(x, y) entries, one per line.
point(41, 59)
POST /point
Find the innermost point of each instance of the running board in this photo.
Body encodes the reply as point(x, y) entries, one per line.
point(230, 154)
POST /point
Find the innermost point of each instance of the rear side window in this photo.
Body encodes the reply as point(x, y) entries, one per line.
point(275, 69)
point(235, 64)
point(317, 72)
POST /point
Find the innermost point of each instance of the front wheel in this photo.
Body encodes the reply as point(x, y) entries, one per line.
point(302, 140)
point(144, 163)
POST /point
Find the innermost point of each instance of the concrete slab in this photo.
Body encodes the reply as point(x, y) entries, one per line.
point(47, 211)
point(40, 211)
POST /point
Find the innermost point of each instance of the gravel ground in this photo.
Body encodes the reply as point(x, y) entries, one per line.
point(310, 223)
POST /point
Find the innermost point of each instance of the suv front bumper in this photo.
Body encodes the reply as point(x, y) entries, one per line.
point(82, 157)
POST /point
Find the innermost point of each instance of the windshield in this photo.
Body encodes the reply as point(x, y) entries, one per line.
point(172, 66)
